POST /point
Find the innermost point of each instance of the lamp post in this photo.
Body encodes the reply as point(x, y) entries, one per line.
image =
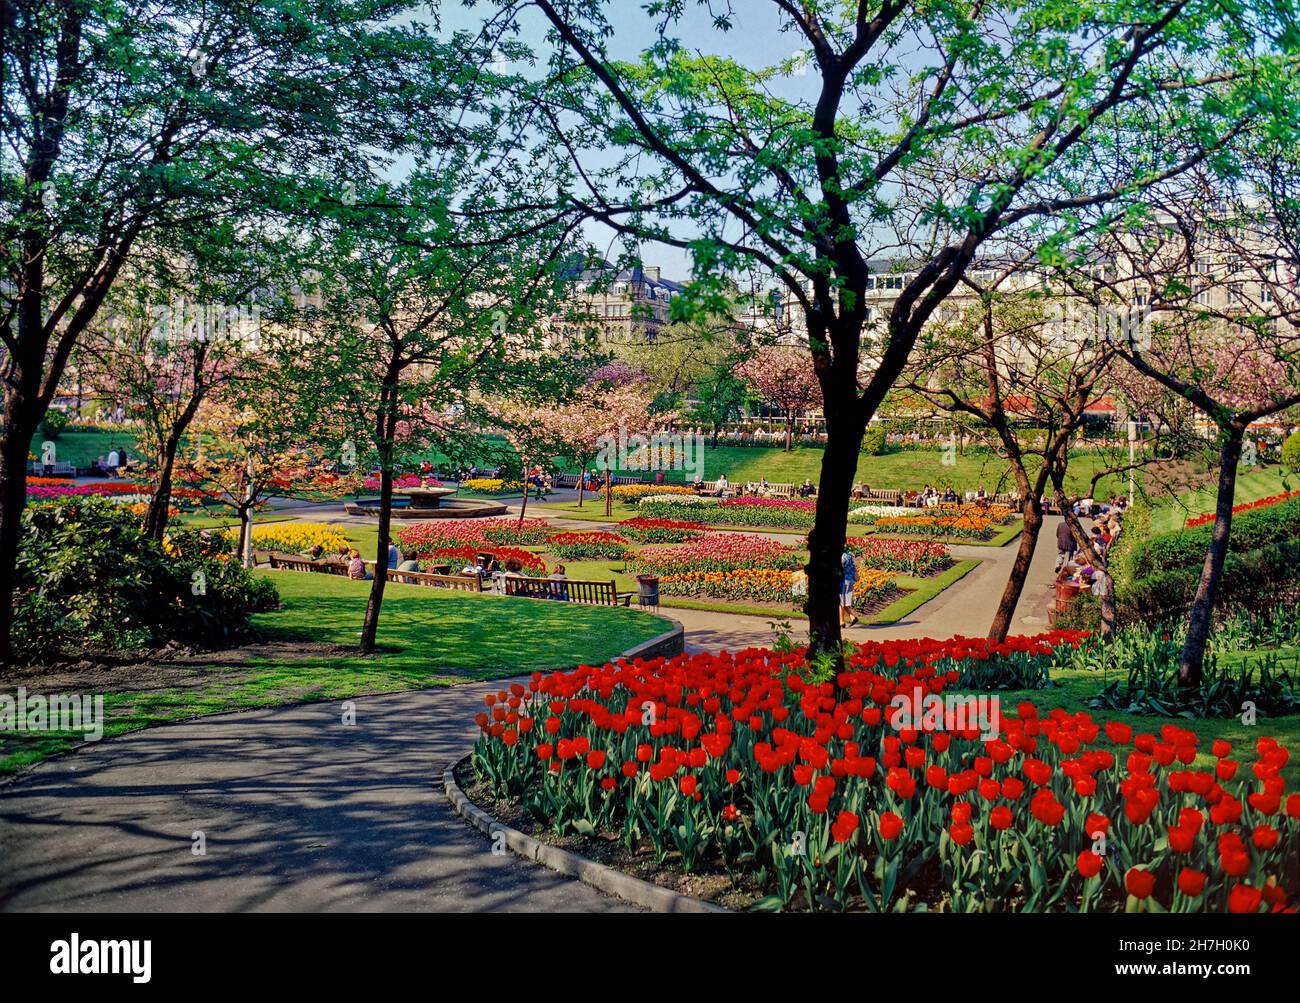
point(1132, 456)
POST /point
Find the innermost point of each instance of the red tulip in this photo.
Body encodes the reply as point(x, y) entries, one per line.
point(1191, 882)
point(1139, 882)
point(1089, 863)
point(890, 825)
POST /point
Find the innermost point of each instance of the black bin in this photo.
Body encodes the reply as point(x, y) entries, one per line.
point(648, 590)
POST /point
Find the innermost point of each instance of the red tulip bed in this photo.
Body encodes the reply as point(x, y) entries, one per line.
point(906, 557)
point(589, 546)
point(814, 795)
point(1258, 503)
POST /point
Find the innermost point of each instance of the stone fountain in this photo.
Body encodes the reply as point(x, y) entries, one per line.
point(428, 503)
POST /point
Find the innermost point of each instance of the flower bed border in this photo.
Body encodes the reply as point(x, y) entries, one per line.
point(602, 877)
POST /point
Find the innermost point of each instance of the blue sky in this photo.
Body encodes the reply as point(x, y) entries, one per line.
point(756, 39)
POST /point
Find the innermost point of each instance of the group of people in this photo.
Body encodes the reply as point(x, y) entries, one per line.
point(1086, 566)
point(112, 465)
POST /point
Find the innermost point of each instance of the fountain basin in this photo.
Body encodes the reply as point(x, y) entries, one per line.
point(404, 508)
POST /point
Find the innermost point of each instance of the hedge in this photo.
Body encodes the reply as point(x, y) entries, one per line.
point(1253, 578)
point(1187, 547)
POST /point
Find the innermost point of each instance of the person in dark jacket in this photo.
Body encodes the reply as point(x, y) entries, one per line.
point(1065, 546)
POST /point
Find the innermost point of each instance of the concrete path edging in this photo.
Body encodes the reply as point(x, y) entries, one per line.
point(600, 876)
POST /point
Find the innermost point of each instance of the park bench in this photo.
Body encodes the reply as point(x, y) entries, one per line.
point(281, 562)
point(625, 480)
point(463, 583)
point(568, 590)
point(756, 489)
point(886, 497)
point(61, 469)
point(566, 480)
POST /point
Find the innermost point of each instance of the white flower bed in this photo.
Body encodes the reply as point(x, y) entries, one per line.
point(680, 499)
point(870, 513)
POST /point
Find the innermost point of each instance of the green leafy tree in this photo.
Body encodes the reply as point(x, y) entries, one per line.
point(901, 129)
point(425, 310)
point(131, 117)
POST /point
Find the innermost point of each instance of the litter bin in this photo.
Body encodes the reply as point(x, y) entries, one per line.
point(648, 590)
point(1066, 593)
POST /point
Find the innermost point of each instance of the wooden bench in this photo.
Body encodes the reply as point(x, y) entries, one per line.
point(566, 480)
point(463, 583)
point(626, 480)
point(60, 469)
point(281, 562)
point(756, 489)
point(567, 590)
point(886, 497)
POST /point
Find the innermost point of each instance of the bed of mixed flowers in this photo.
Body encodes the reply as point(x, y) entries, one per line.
point(717, 552)
point(967, 527)
point(491, 486)
point(505, 532)
point(647, 530)
point(635, 492)
point(906, 557)
point(822, 795)
point(778, 513)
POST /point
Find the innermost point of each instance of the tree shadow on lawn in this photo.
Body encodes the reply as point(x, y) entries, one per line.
point(468, 637)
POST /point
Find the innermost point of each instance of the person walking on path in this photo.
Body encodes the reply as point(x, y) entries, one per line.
point(847, 617)
point(1065, 545)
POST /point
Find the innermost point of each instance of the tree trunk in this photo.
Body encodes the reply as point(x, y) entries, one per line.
point(524, 507)
point(246, 535)
point(1200, 619)
point(371, 628)
point(155, 516)
point(1032, 509)
point(21, 421)
point(826, 540)
point(789, 430)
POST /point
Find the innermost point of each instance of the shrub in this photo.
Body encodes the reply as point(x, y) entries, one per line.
point(54, 423)
point(89, 581)
point(1253, 579)
point(1291, 452)
point(1185, 548)
point(873, 441)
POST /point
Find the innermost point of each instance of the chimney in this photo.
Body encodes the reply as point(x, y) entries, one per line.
point(651, 272)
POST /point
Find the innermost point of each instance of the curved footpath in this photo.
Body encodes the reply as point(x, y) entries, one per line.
point(301, 812)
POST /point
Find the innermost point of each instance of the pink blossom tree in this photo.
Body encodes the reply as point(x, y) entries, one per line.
point(783, 376)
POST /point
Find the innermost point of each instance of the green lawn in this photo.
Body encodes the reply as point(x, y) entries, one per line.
point(903, 469)
point(428, 638)
point(1169, 514)
point(83, 448)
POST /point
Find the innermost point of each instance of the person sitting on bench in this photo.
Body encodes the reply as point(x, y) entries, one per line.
point(409, 563)
point(357, 567)
point(806, 489)
point(560, 590)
